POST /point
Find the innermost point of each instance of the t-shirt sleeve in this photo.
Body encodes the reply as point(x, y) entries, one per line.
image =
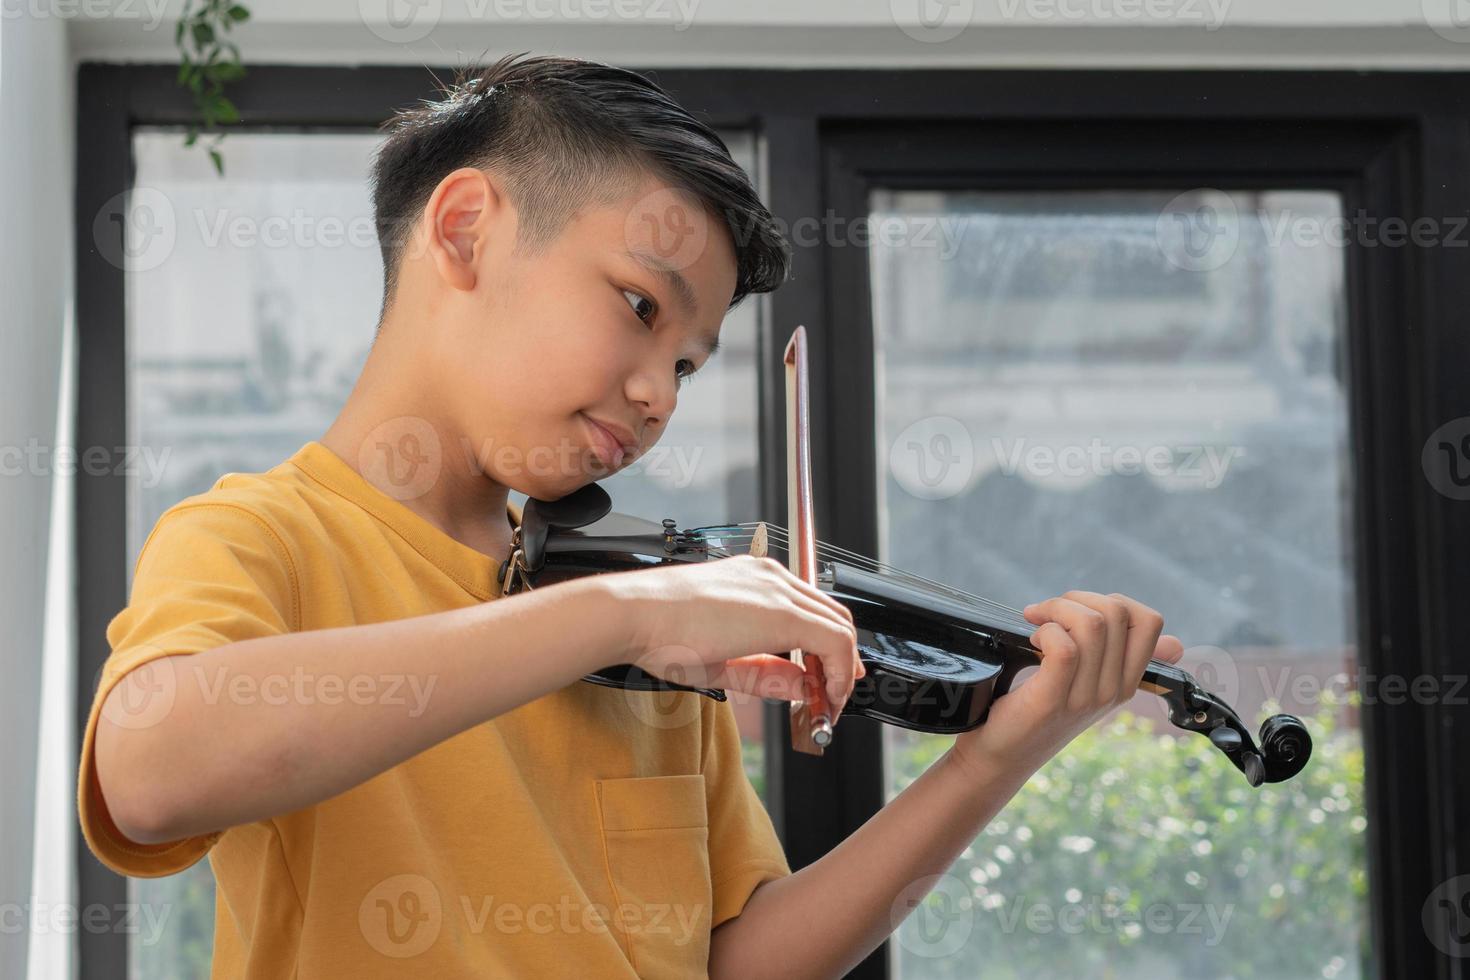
point(744, 850)
point(209, 574)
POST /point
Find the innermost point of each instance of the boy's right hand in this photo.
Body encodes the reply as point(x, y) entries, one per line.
point(718, 624)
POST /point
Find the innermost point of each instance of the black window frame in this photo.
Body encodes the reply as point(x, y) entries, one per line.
point(1393, 143)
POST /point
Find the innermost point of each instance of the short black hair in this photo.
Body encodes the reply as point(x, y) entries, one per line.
point(564, 133)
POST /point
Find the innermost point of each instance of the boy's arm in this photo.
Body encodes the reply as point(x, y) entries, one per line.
point(197, 760)
point(213, 761)
point(824, 919)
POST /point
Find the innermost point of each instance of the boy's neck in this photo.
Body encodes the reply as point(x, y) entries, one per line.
point(384, 422)
point(469, 507)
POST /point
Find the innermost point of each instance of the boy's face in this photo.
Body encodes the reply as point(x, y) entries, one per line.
point(563, 364)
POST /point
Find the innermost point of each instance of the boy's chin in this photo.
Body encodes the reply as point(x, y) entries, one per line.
point(555, 489)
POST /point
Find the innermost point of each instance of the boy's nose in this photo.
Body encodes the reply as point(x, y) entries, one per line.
point(653, 398)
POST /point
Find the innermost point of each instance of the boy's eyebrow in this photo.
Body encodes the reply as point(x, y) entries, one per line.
point(683, 291)
point(675, 280)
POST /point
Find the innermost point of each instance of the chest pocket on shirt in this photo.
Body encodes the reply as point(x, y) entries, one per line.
point(655, 830)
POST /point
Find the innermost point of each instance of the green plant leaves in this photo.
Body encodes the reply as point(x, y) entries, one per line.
point(1138, 851)
point(207, 62)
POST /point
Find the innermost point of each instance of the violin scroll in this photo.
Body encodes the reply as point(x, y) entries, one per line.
point(1285, 745)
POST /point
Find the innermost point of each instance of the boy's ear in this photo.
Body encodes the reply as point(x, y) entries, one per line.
point(464, 216)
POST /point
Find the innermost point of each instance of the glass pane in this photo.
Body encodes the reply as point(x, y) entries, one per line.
point(251, 303)
point(1137, 392)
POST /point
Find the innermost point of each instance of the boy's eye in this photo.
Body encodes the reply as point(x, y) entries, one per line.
point(643, 309)
point(642, 306)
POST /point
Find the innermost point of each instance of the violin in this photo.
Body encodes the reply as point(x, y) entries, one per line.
point(936, 657)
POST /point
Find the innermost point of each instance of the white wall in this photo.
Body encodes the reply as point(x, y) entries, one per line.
point(1410, 34)
point(36, 109)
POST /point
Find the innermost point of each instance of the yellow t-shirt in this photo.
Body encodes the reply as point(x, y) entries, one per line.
point(592, 832)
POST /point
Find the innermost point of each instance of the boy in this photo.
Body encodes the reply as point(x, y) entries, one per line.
point(394, 775)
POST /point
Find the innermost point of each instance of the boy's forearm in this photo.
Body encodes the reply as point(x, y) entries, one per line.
point(823, 920)
point(271, 725)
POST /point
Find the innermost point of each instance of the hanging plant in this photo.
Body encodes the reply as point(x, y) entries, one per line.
point(207, 62)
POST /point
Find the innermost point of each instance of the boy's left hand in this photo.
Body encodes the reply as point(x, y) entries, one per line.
point(1093, 652)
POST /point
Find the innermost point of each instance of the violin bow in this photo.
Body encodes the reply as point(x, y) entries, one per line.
point(811, 717)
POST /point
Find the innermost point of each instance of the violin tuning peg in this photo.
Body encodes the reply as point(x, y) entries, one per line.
point(1253, 767)
point(1226, 739)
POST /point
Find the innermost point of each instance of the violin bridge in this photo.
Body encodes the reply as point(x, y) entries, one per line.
point(758, 541)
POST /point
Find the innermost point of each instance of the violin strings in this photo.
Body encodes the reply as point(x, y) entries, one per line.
point(1006, 615)
point(1169, 676)
point(1009, 615)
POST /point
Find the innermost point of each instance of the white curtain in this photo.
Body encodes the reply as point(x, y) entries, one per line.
point(37, 117)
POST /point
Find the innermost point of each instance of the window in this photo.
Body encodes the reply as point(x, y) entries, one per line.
point(1137, 392)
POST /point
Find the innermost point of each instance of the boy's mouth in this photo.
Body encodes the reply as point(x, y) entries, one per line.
point(609, 447)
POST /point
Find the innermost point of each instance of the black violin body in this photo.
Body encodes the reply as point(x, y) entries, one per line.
point(935, 661)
